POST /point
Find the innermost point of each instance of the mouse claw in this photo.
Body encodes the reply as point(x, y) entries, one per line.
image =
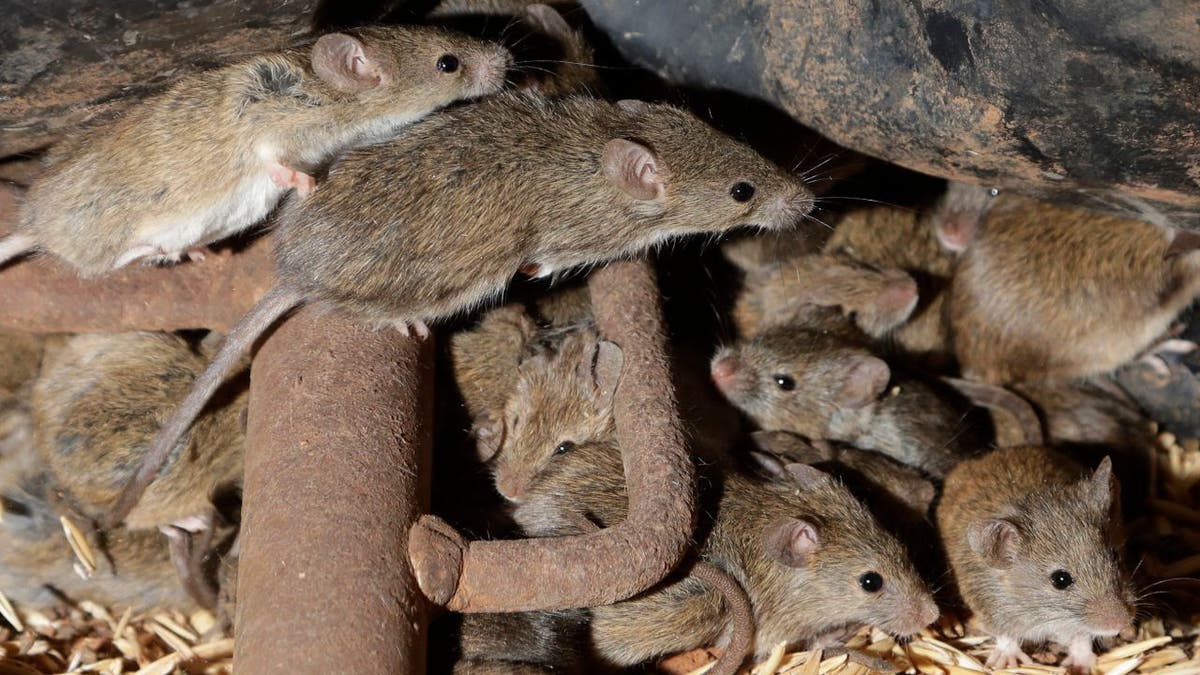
point(417, 329)
point(1007, 654)
point(197, 253)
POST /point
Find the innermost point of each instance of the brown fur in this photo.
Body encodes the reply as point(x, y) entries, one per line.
point(841, 392)
point(1052, 292)
point(20, 358)
point(877, 300)
point(97, 405)
point(1082, 412)
point(210, 136)
point(793, 604)
point(1061, 521)
point(485, 358)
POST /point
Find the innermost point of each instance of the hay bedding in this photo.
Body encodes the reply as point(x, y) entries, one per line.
point(88, 638)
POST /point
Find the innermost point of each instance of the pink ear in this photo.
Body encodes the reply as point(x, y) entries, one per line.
point(340, 60)
point(790, 541)
point(865, 381)
point(996, 540)
point(633, 169)
point(1102, 487)
point(489, 435)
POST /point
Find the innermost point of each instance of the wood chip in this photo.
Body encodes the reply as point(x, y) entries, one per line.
point(1125, 651)
point(10, 614)
point(84, 555)
point(771, 665)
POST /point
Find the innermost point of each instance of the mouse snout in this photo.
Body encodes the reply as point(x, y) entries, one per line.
point(1109, 616)
point(511, 487)
point(787, 210)
point(725, 370)
point(914, 615)
point(487, 70)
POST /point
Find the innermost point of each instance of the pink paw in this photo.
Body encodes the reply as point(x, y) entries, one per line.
point(290, 178)
point(1007, 654)
point(415, 329)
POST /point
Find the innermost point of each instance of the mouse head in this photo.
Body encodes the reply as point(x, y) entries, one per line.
point(959, 212)
point(685, 176)
point(561, 402)
point(395, 69)
point(797, 379)
point(1056, 557)
point(824, 563)
point(576, 493)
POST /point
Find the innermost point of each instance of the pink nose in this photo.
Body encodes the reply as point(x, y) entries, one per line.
point(511, 488)
point(724, 370)
point(1112, 617)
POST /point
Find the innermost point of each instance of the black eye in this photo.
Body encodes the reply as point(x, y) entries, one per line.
point(871, 582)
point(742, 192)
point(1061, 579)
point(448, 63)
point(564, 447)
point(785, 382)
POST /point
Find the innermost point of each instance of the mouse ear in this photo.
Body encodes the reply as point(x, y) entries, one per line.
point(489, 435)
point(633, 169)
point(790, 541)
point(548, 20)
point(996, 539)
point(341, 60)
point(806, 475)
point(1101, 487)
point(866, 380)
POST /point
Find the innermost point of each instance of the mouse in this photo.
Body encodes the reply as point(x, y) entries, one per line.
point(562, 400)
point(1033, 543)
point(1045, 291)
point(214, 154)
point(616, 180)
point(510, 643)
point(817, 381)
point(811, 557)
point(876, 300)
point(97, 405)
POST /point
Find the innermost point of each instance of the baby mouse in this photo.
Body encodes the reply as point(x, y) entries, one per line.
point(811, 557)
point(819, 383)
point(1033, 542)
point(1050, 292)
point(97, 405)
point(564, 184)
point(214, 154)
point(561, 400)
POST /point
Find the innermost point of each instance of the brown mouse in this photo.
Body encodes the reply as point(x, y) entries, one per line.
point(512, 643)
point(1033, 541)
point(811, 557)
point(877, 300)
point(1048, 292)
point(215, 153)
point(566, 182)
point(97, 405)
point(562, 400)
point(816, 382)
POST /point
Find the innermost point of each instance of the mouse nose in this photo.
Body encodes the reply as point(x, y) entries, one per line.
point(511, 488)
point(724, 371)
point(490, 69)
point(1110, 617)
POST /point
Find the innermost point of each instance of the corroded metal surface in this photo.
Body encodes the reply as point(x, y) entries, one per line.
point(615, 563)
point(337, 470)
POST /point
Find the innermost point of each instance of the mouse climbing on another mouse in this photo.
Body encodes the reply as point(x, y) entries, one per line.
point(214, 154)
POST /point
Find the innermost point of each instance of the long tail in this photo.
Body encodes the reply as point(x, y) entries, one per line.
point(277, 302)
point(1018, 423)
point(15, 245)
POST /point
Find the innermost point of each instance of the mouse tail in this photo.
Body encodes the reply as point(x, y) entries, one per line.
point(277, 302)
point(1017, 423)
point(15, 246)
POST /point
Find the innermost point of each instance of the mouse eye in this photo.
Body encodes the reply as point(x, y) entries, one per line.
point(564, 447)
point(742, 192)
point(448, 63)
point(784, 382)
point(994, 192)
point(871, 582)
point(1061, 579)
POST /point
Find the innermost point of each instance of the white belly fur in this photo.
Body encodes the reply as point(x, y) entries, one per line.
point(246, 206)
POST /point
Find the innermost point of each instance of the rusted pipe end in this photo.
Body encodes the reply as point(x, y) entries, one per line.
point(435, 551)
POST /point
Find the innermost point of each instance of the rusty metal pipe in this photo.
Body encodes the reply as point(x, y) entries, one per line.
point(612, 564)
point(337, 470)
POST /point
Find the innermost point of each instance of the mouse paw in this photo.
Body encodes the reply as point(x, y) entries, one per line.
point(1081, 660)
point(197, 253)
point(415, 329)
point(1007, 654)
point(287, 177)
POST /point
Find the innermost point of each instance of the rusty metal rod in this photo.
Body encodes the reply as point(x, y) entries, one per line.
point(337, 469)
point(613, 564)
